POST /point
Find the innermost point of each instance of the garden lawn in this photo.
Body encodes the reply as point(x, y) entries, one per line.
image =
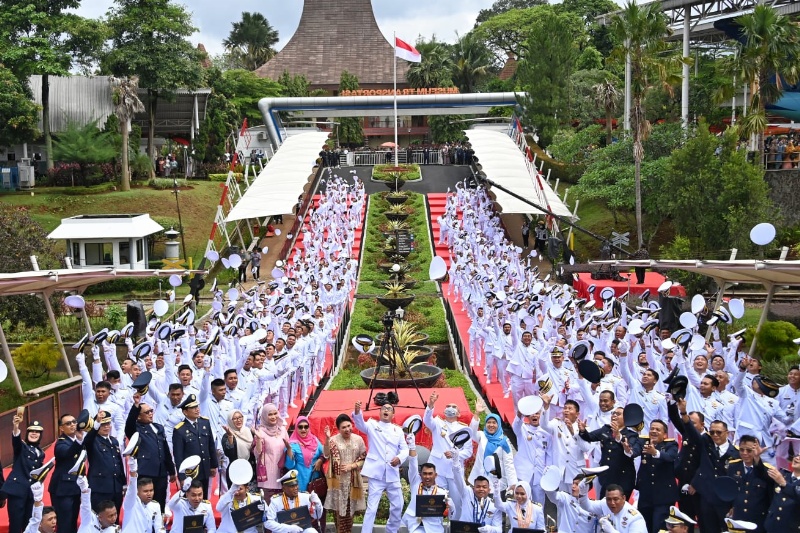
point(198, 207)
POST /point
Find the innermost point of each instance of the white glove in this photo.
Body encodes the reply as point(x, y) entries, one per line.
point(37, 489)
point(605, 525)
point(315, 498)
point(583, 487)
point(133, 464)
point(685, 489)
point(80, 358)
point(96, 352)
point(186, 484)
point(234, 487)
point(83, 483)
point(484, 529)
point(297, 529)
point(411, 440)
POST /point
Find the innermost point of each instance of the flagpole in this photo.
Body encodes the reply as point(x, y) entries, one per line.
point(396, 160)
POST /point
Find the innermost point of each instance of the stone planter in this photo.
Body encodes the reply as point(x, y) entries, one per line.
point(397, 199)
point(424, 353)
point(395, 216)
point(395, 185)
point(428, 375)
point(396, 303)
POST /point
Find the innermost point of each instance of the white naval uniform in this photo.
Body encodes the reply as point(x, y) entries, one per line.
point(568, 451)
point(36, 519)
point(180, 508)
point(440, 432)
point(789, 400)
point(534, 453)
point(572, 518)
point(628, 520)
point(386, 441)
point(89, 521)
point(276, 505)
point(428, 524)
point(509, 507)
point(469, 509)
point(226, 506)
point(138, 517)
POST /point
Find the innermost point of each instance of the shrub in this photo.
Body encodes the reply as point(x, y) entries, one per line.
point(35, 359)
point(384, 172)
point(224, 177)
point(124, 285)
point(774, 341)
point(166, 183)
point(116, 316)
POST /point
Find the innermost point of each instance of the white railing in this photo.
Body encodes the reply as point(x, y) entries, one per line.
point(382, 158)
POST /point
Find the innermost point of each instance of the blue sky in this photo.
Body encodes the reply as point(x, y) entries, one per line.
point(409, 18)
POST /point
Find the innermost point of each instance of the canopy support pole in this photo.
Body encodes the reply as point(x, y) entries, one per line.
point(763, 318)
point(10, 361)
point(722, 286)
point(54, 325)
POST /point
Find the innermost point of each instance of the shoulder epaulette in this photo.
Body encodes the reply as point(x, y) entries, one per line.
point(669, 440)
point(204, 417)
point(537, 504)
point(734, 461)
point(767, 465)
point(644, 436)
point(276, 496)
point(633, 511)
point(61, 438)
point(207, 501)
point(180, 424)
point(460, 423)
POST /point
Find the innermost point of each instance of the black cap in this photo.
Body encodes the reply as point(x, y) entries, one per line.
point(85, 421)
point(189, 402)
point(767, 386)
point(633, 415)
point(142, 383)
point(677, 388)
point(590, 371)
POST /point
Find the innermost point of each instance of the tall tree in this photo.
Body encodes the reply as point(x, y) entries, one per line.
point(434, 69)
point(503, 6)
point(507, 32)
point(642, 30)
point(553, 45)
point(251, 41)
point(18, 114)
point(42, 37)
point(149, 39)
point(607, 97)
point(124, 94)
point(471, 62)
point(350, 129)
point(766, 60)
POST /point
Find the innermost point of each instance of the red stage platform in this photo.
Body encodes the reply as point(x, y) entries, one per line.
point(331, 404)
point(652, 281)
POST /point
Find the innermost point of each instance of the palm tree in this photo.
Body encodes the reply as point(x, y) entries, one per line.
point(472, 62)
point(642, 32)
point(251, 41)
point(766, 59)
point(607, 96)
point(434, 69)
point(126, 104)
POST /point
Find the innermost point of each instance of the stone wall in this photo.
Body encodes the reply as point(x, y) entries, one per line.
point(785, 193)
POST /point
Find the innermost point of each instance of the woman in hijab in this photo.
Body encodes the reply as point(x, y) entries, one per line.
point(522, 512)
point(492, 441)
point(237, 443)
point(304, 453)
point(270, 442)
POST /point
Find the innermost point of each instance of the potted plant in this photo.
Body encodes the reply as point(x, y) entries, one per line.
point(397, 198)
point(396, 212)
point(395, 181)
point(396, 296)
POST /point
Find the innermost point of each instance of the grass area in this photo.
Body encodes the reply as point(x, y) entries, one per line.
point(9, 399)
point(374, 242)
point(48, 205)
point(387, 172)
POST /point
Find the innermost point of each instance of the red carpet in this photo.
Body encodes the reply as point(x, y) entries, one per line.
point(493, 391)
point(652, 281)
point(332, 403)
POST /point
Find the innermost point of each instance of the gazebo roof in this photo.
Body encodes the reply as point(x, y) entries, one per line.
point(333, 37)
point(106, 227)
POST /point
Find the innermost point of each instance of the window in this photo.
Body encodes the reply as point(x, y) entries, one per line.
point(76, 253)
point(99, 253)
point(139, 250)
point(124, 254)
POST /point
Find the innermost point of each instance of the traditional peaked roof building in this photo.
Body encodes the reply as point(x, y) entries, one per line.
point(333, 37)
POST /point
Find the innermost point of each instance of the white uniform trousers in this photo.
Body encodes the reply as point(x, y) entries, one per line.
point(376, 488)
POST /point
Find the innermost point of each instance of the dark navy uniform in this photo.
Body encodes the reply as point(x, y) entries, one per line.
point(106, 472)
point(756, 490)
point(784, 512)
point(17, 487)
point(195, 438)
point(688, 461)
point(656, 484)
point(153, 458)
point(621, 468)
point(64, 492)
point(712, 510)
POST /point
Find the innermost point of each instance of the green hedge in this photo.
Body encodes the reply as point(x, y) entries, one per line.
point(384, 172)
point(125, 285)
point(224, 177)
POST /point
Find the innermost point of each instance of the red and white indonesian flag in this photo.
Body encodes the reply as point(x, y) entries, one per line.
point(403, 50)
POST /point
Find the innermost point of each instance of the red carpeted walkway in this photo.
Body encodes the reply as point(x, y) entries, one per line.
point(493, 391)
point(652, 281)
point(332, 403)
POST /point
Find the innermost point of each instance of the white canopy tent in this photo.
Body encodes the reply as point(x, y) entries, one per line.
point(275, 190)
point(506, 165)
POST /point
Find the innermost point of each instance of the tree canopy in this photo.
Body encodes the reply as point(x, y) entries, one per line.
point(18, 114)
point(251, 41)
